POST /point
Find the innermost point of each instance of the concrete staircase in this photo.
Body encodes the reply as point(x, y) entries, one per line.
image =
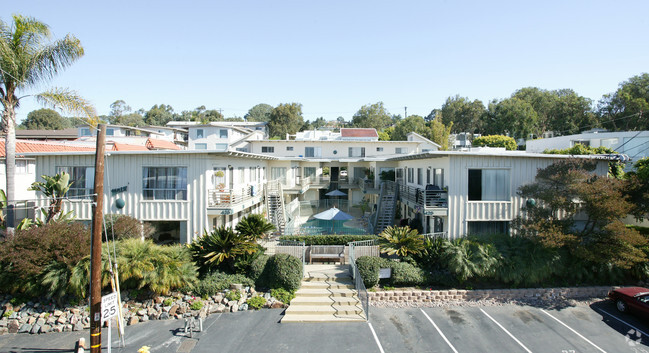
point(327, 294)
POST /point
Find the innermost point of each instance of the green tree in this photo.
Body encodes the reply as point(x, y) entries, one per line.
point(568, 187)
point(513, 116)
point(495, 141)
point(260, 112)
point(159, 115)
point(386, 134)
point(286, 118)
point(28, 59)
point(464, 114)
point(372, 116)
point(439, 133)
point(637, 188)
point(413, 123)
point(45, 119)
point(254, 226)
point(623, 110)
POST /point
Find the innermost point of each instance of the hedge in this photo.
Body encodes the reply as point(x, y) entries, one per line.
point(328, 239)
point(495, 141)
point(403, 273)
point(368, 267)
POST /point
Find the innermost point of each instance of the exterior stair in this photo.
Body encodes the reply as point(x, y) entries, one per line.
point(275, 205)
point(325, 296)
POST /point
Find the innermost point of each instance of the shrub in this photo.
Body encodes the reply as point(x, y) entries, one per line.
point(254, 226)
point(285, 271)
point(282, 295)
point(25, 256)
point(218, 281)
point(219, 249)
point(168, 302)
point(196, 305)
point(495, 141)
point(256, 271)
point(233, 295)
point(127, 227)
point(467, 259)
point(7, 313)
point(368, 267)
point(329, 239)
point(405, 274)
point(401, 241)
point(256, 302)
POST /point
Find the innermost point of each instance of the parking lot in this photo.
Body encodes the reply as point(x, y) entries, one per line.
point(508, 328)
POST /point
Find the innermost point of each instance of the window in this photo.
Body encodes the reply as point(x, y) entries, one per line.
point(241, 175)
point(401, 150)
point(223, 133)
point(356, 152)
point(420, 176)
point(267, 149)
point(309, 172)
point(83, 180)
point(580, 142)
point(278, 173)
point(312, 151)
point(489, 185)
point(289, 148)
point(199, 133)
point(200, 146)
point(411, 175)
point(487, 228)
point(253, 174)
point(164, 183)
point(379, 149)
point(23, 167)
point(85, 132)
point(219, 177)
point(110, 132)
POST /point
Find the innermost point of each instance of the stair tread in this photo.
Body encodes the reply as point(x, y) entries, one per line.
point(307, 309)
point(323, 300)
point(323, 318)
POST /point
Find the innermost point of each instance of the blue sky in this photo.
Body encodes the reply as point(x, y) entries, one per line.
point(335, 56)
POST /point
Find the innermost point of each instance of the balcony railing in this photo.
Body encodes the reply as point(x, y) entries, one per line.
point(227, 197)
point(424, 198)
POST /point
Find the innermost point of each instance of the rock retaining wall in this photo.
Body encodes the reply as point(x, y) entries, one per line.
point(416, 296)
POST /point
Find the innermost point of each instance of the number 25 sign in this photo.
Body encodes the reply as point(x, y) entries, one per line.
point(108, 306)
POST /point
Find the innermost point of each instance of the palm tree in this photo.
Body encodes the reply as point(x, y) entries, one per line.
point(221, 246)
point(402, 241)
point(254, 226)
point(27, 60)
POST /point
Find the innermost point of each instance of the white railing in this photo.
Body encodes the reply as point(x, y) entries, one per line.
point(225, 197)
point(489, 210)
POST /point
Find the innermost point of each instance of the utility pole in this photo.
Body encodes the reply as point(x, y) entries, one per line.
point(405, 112)
point(95, 265)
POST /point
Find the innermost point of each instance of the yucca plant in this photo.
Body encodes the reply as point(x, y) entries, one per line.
point(466, 259)
point(219, 248)
point(173, 269)
point(401, 241)
point(255, 227)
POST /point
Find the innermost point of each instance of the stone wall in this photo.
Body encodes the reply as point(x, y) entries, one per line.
point(417, 296)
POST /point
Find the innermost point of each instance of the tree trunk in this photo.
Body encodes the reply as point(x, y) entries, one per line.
point(9, 120)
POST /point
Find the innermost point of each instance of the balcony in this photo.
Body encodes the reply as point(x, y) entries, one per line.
point(430, 202)
point(229, 198)
point(303, 184)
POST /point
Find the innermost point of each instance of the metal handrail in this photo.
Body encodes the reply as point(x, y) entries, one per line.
point(356, 275)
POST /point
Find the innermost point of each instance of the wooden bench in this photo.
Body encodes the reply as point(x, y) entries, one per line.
point(327, 252)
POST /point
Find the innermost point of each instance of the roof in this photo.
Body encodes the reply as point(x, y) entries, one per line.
point(156, 144)
point(501, 152)
point(358, 132)
point(70, 133)
point(128, 147)
point(27, 146)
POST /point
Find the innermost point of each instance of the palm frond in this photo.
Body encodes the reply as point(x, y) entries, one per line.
point(70, 101)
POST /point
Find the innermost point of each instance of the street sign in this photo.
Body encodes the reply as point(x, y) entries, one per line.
point(108, 306)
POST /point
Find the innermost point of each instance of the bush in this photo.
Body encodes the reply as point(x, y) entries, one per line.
point(495, 141)
point(405, 274)
point(233, 295)
point(329, 239)
point(196, 305)
point(256, 271)
point(285, 271)
point(219, 249)
point(168, 302)
point(25, 256)
point(127, 227)
point(216, 282)
point(282, 295)
point(256, 302)
point(368, 267)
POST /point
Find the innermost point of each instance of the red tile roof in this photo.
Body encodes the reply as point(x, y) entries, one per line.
point(156, 144)
point(128, 147)
point(40, 146)
point(354, 132)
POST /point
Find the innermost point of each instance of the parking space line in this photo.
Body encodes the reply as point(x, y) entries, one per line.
point(376, 338)
point(575, 332)
point(439, 331)
point(507, 332)
point(622, 321)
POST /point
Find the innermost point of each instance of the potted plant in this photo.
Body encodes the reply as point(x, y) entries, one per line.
point(219, 174)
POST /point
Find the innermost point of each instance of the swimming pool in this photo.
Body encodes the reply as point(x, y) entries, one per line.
point(319, 226)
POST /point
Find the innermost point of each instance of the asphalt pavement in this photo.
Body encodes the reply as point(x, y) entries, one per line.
point(509, 328)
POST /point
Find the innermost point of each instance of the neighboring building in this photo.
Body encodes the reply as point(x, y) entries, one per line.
point(221, 135)
point(48, 135)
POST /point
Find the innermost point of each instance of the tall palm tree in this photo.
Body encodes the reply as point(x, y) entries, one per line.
point(28, 59)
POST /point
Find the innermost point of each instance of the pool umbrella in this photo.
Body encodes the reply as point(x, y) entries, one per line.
point(333, 214)
point(336, 193)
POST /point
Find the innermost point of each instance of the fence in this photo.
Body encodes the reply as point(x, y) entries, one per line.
point(433, 236)
point(357, 249)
